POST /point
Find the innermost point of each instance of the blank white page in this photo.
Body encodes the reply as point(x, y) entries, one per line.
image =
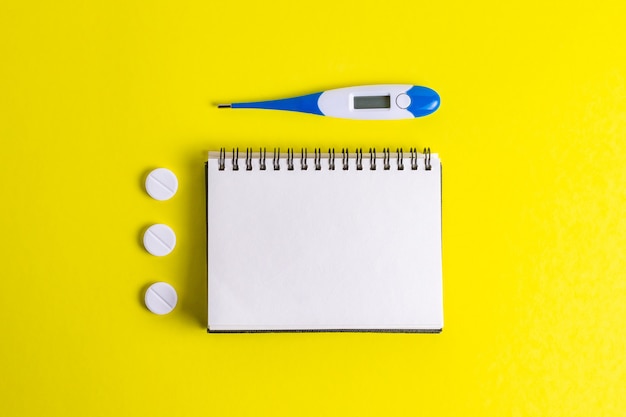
point(327, 250)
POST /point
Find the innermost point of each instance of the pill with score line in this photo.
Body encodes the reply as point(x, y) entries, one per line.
point(161, 184)
point(161, 298)
point(159, 240)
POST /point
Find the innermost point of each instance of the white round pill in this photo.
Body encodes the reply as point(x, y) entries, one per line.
point(161, 298)
point(161, 184)
point(159, 240)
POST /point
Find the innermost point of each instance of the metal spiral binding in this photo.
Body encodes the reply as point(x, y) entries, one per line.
point(289, 159)
point(221, 161)
point(276, 159)
point(386, 159)
point(359, 159)
point(262, 159)
point(317, 160)
point(248, 159)
point(413, 159)
point(344, 158)
point(303, 163)
point(236, 159)
point(427, 165)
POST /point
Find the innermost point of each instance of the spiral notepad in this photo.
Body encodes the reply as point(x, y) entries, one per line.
point(328, 240)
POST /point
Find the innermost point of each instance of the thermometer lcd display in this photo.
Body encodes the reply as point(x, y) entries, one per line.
point(372, 102)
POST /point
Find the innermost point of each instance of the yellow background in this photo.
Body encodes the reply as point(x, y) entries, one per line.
point(531, 132)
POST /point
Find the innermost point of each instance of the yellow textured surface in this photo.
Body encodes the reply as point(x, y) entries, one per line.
point(531, 132)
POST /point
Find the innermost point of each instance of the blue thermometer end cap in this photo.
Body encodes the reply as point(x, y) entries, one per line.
point(424, 101)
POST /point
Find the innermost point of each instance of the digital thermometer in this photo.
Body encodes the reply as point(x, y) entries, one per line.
point(367, 102)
